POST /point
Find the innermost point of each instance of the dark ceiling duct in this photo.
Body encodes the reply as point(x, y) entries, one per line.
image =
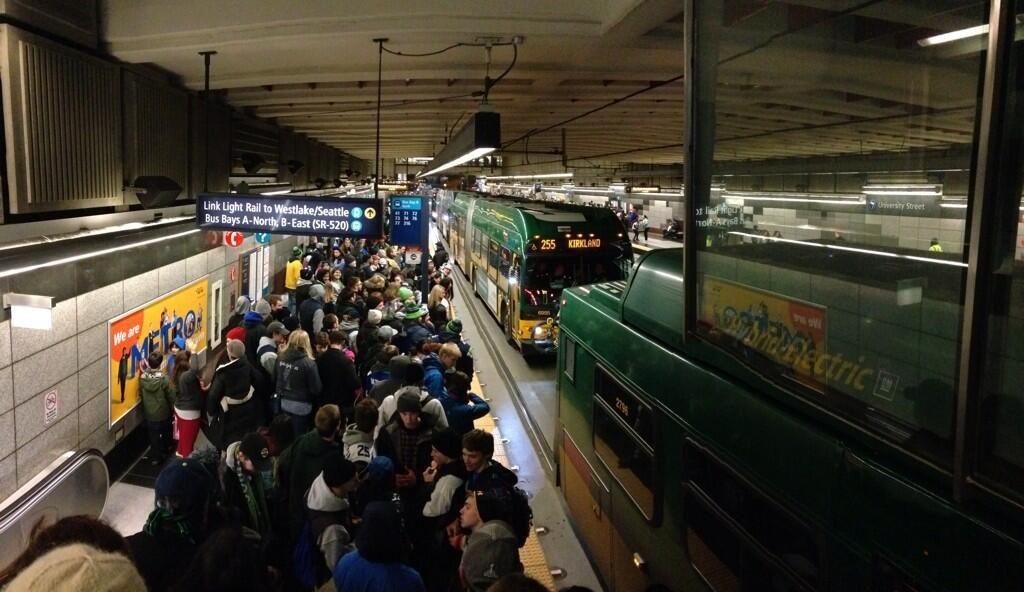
point(294, 166)
point(252, 162)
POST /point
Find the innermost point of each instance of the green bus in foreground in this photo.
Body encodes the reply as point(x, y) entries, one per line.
point(681, 474)
point(520, 255)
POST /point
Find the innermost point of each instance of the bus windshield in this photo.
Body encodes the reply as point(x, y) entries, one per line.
point(546, 277)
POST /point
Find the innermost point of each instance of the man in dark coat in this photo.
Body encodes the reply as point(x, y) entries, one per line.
point(338, 375)
point(301, 462)
point(232, 407)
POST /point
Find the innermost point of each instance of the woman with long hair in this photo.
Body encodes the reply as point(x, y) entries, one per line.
point(298, 381)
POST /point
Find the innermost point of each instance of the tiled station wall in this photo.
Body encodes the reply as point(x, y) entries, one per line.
point(72, 359)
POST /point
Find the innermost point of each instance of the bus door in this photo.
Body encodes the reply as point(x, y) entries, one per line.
point(513, 299)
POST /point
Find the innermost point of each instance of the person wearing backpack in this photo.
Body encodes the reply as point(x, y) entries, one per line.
point(492, 549)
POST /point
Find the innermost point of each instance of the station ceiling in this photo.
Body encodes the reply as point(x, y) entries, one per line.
point(312, 66)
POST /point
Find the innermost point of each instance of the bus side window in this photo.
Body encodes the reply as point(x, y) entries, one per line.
point(736, 536)
point(506, 261)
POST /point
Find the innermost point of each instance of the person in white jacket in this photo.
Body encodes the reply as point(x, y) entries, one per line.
point(328, 508)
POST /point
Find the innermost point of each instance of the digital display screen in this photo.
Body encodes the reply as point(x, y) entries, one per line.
point(584, 243)
point(405, 229)
point(544, 245)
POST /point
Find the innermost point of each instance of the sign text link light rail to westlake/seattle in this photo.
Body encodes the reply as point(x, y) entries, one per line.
point(358, 217)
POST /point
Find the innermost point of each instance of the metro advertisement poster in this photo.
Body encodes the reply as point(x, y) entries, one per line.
point(152, 328)
point(788, 332)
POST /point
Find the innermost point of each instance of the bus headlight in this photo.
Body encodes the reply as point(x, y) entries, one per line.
point(540, 333)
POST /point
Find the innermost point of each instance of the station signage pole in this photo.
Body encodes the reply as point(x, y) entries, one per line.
point(409, 227)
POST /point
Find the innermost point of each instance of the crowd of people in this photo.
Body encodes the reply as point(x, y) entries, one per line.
point(332, 439)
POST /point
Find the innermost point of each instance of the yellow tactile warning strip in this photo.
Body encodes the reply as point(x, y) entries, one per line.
point(535, 564)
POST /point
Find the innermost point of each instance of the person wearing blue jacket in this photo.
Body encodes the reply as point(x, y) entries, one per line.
point(378, 563)
point(435, 366)
point(462, 407)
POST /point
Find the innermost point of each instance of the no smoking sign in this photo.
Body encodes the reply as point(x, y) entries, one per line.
point(50, 409)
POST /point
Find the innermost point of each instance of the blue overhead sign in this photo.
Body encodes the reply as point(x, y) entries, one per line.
point(407, 221)
point(357, 217)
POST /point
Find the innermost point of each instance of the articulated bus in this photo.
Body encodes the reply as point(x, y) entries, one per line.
point(684, 466)
point(519, 255)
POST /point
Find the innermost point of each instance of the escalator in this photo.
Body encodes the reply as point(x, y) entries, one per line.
point(76, 483)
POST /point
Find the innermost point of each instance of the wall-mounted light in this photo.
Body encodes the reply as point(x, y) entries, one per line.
point(953, 36)
point(29, 311)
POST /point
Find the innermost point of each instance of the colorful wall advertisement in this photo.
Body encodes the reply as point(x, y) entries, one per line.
point(789, 332)
point(152, 328)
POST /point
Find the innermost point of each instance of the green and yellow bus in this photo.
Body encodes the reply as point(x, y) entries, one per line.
point(520, 255)
point(683, 465)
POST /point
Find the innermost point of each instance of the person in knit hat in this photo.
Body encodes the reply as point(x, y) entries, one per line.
point(452, 333)
point(443, 480)
point(176, 526)
point(69, 530)
point(406, 441)
point(79, 567)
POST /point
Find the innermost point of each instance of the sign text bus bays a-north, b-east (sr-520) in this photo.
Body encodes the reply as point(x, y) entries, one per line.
point(290, 215)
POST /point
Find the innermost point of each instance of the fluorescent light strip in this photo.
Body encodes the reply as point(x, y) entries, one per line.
point(72, 259)
point(846, 202)
point(953, 36)
point(95, 232)
point(280, 192)
point(851, 249)
point(541, 176)
point(901, 192)
point(476, 153)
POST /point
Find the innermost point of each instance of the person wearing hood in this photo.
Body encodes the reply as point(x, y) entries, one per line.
point(255, 324)
point(482, 471)
point(304, 285)
point(298, 381)
point(367, 340)
point(452, 333)
point(462, 407)
point(291, 276)
point(413, 329)
point(157, 402)
point(301, 462)
point(443, 481)
point(379, 367)
point(430, 406)
point(327, 508)
point(311, 311)
point(406, 441)
point(377, 563)
point(338, 374)
point(176, 527)
point(397, 368)
point(232, 408)
point(434, 367)
point(247, 478)
point(358, 439)
point(492, 550)
point(242, 306)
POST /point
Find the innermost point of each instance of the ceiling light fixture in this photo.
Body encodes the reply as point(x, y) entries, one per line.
point(953, 36)
point(479, 136)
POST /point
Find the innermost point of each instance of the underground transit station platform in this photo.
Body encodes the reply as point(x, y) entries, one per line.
point(588, 295)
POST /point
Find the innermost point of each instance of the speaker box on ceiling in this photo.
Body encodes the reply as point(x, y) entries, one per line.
point(157, 192)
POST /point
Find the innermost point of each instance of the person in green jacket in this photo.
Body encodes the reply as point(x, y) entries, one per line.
point(157, 402)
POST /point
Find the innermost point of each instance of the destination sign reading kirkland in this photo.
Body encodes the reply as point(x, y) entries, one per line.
point(290, 215)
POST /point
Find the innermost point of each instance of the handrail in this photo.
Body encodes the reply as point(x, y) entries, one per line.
point(75, 483)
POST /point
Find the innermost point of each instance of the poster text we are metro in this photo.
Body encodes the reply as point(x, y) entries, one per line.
point(147, 329)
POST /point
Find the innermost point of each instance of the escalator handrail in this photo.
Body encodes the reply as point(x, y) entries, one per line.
point(49, 478)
